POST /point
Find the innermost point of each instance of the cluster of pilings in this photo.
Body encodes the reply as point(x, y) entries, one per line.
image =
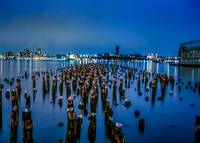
point(15, 97)
point(11, 81)
point(195, 88)
point(113, 131)
point(74, 126)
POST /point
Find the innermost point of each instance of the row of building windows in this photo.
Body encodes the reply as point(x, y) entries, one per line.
point(190, 61)
point(189, 53)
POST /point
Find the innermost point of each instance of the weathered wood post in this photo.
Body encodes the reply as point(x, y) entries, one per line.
point(92, 127)
point(19, 86)
point(27, 125)
point(14, 119)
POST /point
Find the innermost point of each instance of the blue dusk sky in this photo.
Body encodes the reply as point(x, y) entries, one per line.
point(97, 26)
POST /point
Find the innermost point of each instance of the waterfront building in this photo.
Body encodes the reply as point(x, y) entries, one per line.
point(1, 56)
point(189, 53)
point(32, 55)
point(18, 55)
point(139, 57)
point(39, 52)
point(117, 50)
point(72, 56)
point(99, 56)
point(8, 54)
point(152, 56)
point(26, 53)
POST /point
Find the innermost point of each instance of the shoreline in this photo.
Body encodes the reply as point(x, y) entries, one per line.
point(185, 65)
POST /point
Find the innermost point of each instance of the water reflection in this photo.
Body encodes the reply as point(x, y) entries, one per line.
point(189, 73)
point(51, 112)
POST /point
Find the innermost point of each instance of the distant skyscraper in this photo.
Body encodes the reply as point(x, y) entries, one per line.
point(8, 54)
point(26, 53)
point(39, 52)
point(117, 50)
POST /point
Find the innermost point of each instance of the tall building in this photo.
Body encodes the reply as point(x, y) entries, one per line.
point(117, 50)
point(8, 54)
point(189, 53)
point(26, 53)
point(39, 52)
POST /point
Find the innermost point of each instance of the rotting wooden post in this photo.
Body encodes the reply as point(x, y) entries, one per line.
point(70, 102)
point(44, 86)
point(61, 86)
point(19, 86)
point(26, 74)
point(33, 77)
point(92, 128)
point(14, 99)
point(14, 124)
point(27, 125)
point(7, 93)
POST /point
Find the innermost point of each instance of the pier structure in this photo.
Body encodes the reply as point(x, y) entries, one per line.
point(189, 53)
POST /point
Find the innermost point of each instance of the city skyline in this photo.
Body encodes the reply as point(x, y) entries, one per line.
point(97, 27)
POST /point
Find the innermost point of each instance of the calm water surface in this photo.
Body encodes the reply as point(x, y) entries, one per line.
point(169, 120)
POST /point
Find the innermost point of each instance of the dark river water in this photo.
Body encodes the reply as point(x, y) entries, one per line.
point(168, 120)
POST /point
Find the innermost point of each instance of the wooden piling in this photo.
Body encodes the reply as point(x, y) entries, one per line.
point(27, 125)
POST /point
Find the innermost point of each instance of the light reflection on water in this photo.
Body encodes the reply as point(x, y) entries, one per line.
point(169, 120)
